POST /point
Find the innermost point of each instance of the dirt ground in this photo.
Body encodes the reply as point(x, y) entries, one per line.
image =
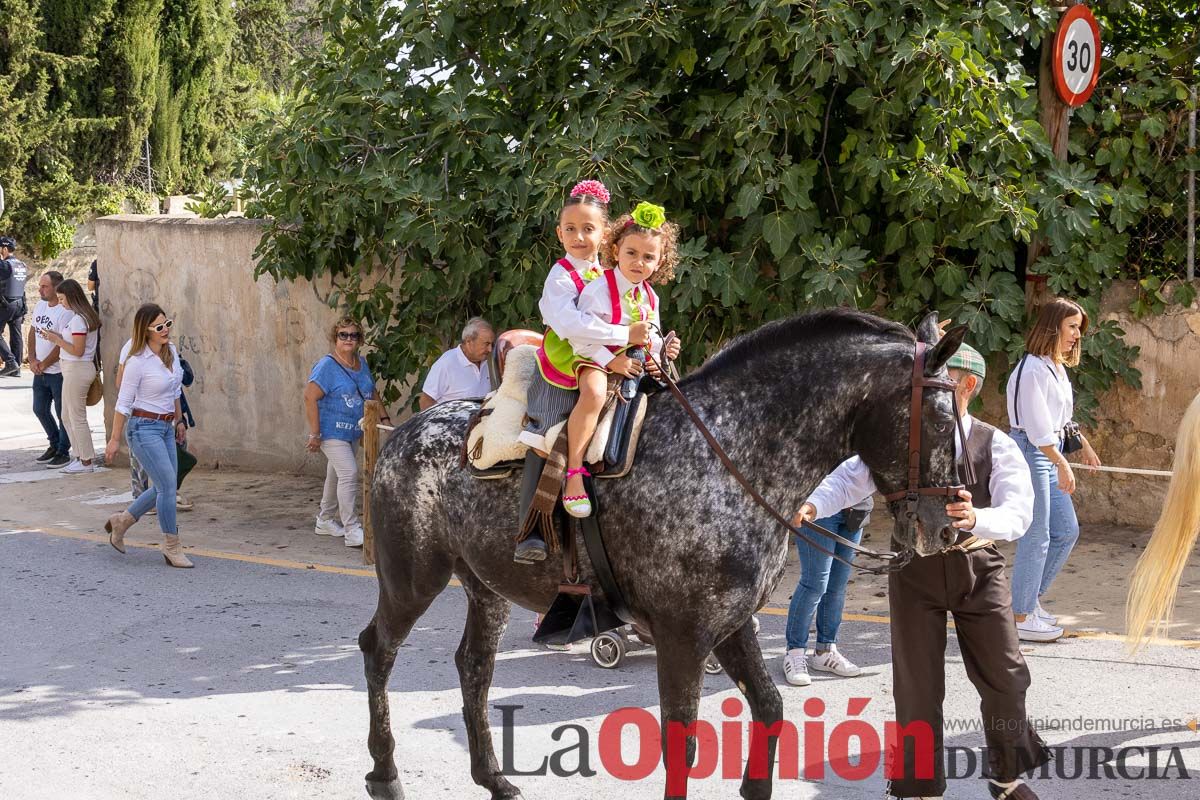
point(270, 516)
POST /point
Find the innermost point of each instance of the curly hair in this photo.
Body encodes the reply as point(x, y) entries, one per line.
point(623, 226)
point(344, 322)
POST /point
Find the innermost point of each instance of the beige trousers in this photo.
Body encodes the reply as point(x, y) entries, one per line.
point(77, 377)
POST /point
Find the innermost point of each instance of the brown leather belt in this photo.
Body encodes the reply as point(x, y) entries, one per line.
point(968, 542)
point(137, 412)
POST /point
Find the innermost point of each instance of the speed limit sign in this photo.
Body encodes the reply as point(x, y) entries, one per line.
point(1076, 56)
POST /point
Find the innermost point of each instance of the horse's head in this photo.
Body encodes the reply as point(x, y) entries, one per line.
point(883, 439)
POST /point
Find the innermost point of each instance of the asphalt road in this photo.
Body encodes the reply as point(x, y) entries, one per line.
point(121, 678)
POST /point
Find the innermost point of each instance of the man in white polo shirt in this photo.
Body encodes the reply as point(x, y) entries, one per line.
point(462, 372)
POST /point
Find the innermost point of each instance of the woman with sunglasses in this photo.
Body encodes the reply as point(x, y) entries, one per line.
point(333, 404)
point(149, 402)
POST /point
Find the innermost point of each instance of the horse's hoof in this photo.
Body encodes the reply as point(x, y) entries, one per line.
point(385, 790)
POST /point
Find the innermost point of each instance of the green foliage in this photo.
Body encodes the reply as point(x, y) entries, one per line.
point(215, 201)
point(878, 153)
point(53, 234)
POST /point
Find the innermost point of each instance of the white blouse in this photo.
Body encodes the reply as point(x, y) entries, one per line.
point(148, 384)
point(1046, 403)
point(595, 302)
point(75, 328)
point(560, 312)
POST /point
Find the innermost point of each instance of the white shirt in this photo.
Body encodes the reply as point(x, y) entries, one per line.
point(1006, 519)
point(560, 312)
point(454, 377)
point(124, 351)
point(77, 328)
point(595, 302)
point(52, 318)
point(148, 384)
point(1046, 403)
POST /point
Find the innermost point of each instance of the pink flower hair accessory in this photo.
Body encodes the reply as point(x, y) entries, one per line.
point(595, 188)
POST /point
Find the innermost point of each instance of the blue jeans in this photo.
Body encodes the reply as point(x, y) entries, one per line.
point(822, 587)
point(47, 389)
point(153, 442)
point(1043, 550)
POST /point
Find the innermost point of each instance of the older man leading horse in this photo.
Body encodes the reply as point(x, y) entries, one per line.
point(694, 556)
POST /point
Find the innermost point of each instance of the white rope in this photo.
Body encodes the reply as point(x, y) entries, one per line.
point(383, 427)
point(1126, 470)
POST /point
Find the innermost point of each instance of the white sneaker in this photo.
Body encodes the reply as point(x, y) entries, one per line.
point(77, 467)
point(1036, 629)
point(835, 662)
point(1044, 614)
point(354, 536)
point(795, 667)
point(328, 527)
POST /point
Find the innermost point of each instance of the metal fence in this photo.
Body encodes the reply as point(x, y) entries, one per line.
point(1163, 241)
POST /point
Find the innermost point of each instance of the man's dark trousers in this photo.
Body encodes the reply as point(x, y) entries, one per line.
point(971, 586)
point(13, 320)
point(47, 389)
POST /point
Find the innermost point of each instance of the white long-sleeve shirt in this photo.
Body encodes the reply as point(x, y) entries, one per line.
point(148, 384)
point(596, 302)
point(1046, 402)
point(1006, 519)
point(560, 312)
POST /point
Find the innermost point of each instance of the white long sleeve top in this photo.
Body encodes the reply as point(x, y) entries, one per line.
point(148, 384)
point(1011, 488)
point(597, 302)
point(560, 312)
point(1046, 402)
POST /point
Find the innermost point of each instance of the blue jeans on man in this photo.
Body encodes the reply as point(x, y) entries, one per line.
point(47, 391)
point(821, 591)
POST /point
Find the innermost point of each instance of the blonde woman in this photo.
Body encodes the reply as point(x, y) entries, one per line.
point(77, 349)
point(149, 403)
point(1040, 406)
point(333, 405)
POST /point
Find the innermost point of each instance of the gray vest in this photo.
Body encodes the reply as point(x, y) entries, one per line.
point(979, 451)
point(14, 286)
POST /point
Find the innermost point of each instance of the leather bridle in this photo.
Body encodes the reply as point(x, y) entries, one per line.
point(912, 494)
point(889, 561)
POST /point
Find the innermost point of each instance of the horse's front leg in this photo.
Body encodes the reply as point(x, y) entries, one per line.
point(680, 680)
point(742, 659)
point(487, 617)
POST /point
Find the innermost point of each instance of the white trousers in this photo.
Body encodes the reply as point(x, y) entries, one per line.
point(77, 377)
point(340, 498)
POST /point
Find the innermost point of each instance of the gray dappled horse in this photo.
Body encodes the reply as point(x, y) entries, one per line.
point(693, 556)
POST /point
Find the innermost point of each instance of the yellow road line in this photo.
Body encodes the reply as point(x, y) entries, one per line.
point(775, 611)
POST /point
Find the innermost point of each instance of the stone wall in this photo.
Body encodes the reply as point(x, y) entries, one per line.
point(251, 342)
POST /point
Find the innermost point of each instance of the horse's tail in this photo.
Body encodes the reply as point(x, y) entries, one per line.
point(1156, 577)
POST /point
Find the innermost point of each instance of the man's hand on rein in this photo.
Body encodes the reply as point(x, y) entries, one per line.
point(963, 511)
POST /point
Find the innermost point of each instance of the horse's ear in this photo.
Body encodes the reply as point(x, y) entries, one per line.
point(927, 331)
point(947, 346)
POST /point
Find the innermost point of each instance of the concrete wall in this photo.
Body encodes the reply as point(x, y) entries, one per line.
point(251, 343)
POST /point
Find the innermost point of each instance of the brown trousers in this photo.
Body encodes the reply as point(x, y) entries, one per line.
point(971, 586)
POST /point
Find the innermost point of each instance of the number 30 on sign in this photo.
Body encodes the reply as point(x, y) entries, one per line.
point(1076, 56)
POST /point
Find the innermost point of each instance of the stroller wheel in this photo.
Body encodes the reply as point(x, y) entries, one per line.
point(712, 666)
point(608, 650)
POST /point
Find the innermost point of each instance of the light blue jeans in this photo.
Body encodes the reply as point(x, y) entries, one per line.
point(1043, 550)
point(152, 441)
point(822, 587)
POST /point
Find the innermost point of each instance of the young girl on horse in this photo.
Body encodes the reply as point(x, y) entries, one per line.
point(638, 249)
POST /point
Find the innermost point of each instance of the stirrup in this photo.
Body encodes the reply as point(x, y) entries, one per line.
point(578, 505)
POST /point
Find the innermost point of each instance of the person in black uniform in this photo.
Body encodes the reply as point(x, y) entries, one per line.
point(13, 274)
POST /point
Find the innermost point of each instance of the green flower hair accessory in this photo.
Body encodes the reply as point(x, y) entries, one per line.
point(648, 215)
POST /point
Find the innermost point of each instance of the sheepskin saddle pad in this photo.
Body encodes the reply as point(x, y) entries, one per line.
point(496, 439)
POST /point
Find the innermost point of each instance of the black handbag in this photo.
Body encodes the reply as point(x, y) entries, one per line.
point(1072, 439)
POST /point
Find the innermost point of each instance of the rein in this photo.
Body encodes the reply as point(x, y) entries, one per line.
point(891, 562)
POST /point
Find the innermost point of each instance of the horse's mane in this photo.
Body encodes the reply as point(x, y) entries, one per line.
point(804, 329)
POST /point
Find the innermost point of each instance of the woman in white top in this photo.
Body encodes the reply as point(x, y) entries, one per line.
point(1040, 404)
point(76, 351)
point(149, 400)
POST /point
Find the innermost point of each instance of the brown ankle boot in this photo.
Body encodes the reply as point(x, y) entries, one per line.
point(172, 551)
point(116, 526)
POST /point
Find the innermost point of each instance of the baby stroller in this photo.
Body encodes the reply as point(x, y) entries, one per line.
point(609, 648)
